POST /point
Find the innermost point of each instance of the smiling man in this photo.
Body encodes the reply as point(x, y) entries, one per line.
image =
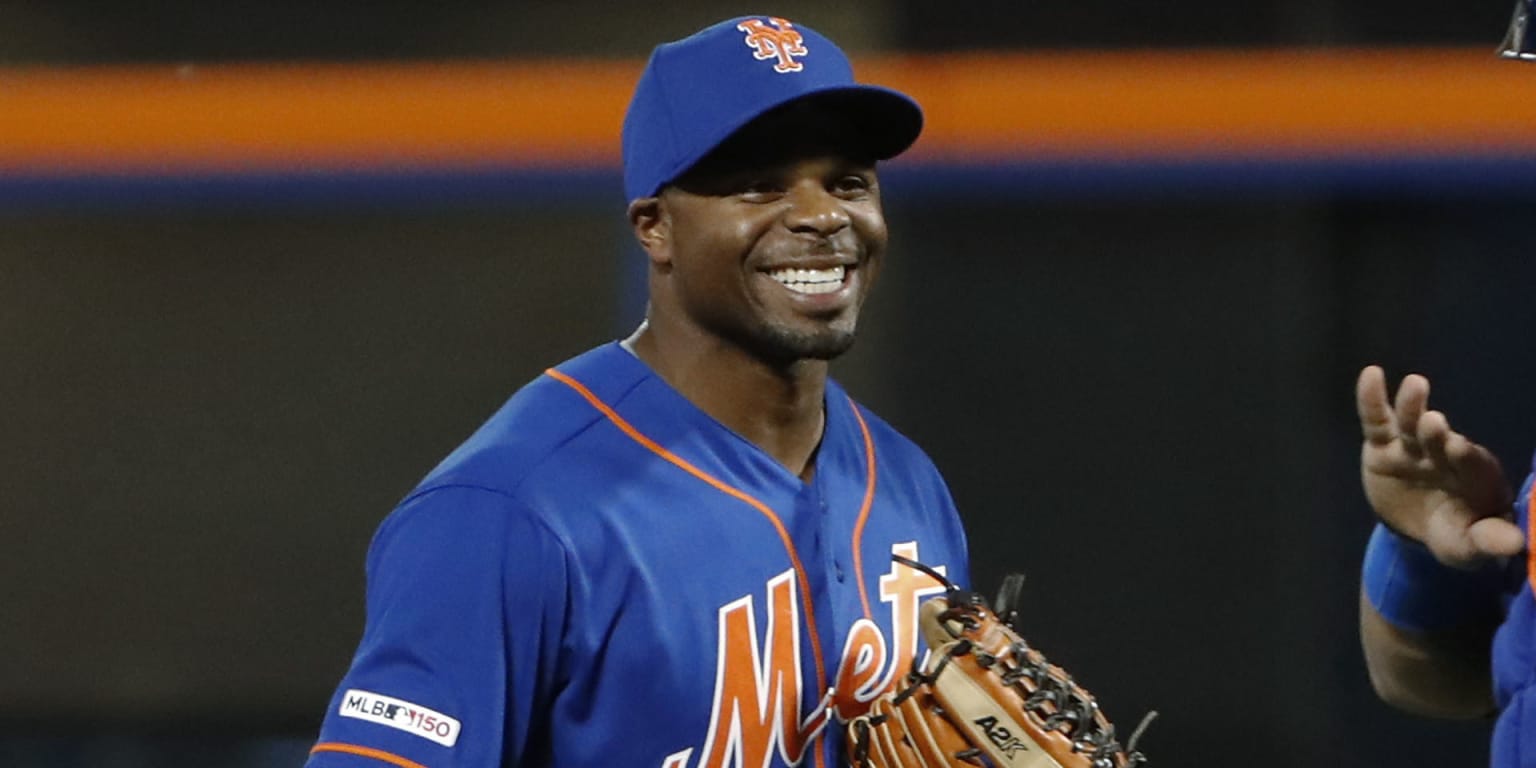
point(675, 551)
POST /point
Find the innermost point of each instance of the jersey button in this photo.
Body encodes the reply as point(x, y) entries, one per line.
point(837, 570)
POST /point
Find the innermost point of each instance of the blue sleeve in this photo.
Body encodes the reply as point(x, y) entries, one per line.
point(466, 608)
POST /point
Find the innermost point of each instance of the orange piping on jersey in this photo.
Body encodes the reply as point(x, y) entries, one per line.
point(794, 558)
point(1530, 537)
point(377, 754)
point(869, 500)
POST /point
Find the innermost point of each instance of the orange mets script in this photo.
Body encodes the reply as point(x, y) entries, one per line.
point(759, 687)
point(780, 41)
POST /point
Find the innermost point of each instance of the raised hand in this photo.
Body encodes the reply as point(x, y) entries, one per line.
point(1428, 481)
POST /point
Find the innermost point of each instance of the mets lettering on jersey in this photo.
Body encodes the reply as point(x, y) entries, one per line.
point(758, 691)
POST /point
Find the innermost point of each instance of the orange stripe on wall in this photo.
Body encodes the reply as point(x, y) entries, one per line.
point(558, 114)
point(297, 115)
point(1204, 103)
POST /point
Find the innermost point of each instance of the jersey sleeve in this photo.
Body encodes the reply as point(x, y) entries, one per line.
point(466, 604)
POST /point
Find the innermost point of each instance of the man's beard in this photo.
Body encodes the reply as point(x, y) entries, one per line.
point(784, 345)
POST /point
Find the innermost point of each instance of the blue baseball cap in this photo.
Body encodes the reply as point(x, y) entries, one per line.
point(696, 92)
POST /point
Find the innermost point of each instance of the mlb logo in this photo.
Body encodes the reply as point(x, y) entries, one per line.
point(401, 715)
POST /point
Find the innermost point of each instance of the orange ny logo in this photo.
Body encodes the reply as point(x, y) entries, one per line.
point(780, 41)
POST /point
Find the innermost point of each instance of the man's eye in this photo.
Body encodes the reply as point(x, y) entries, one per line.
point(759, 189)
point(852, 183)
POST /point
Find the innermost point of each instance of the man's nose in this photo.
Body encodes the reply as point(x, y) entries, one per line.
point(814, 209)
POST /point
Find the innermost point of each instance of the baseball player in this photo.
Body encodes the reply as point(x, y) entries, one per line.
point(676, 551)
point(1447, 608)
point(1446, 592)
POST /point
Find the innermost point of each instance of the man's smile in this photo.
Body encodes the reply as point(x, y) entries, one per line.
point(811, 281)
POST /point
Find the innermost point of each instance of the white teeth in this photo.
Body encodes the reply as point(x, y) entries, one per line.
point(810, 280)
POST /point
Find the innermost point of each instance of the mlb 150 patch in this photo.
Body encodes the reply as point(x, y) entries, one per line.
point(403, 715)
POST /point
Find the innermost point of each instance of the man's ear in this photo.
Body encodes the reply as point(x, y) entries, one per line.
point(648, 217)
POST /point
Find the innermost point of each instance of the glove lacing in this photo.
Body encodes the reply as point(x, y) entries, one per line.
point(1059, 703)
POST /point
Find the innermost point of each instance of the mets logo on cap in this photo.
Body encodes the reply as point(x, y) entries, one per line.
point(779, 41)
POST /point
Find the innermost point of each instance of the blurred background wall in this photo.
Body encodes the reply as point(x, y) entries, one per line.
point(1130, 351)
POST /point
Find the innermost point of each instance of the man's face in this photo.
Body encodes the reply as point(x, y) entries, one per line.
point(773, 242)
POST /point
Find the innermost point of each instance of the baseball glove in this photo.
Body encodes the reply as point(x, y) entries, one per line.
point(983, 697)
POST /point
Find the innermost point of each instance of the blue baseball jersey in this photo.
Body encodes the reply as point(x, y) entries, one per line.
point(603, 574)
point(1514, 655)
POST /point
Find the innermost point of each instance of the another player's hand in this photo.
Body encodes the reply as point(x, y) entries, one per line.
point(1429, 481)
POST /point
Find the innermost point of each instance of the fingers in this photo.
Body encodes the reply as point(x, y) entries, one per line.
point(1383, 420)
point(1376, 422)
point(1434, 431)
point(1425, 477)
point(1478, 475)
point(1497, 537)
point(1408, 409)
point(1461, 545)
